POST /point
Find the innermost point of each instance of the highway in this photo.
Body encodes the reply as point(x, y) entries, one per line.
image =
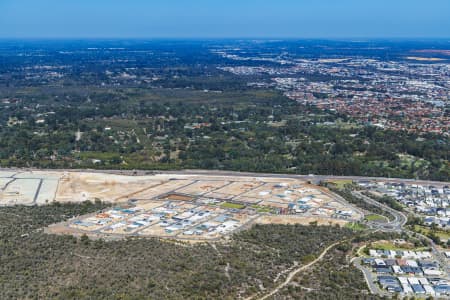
point(310, 177)
point(395, 225)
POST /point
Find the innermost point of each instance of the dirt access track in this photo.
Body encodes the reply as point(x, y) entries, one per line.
point(178, 206)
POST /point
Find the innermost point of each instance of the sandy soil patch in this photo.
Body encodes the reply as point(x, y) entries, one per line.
point(287, 220)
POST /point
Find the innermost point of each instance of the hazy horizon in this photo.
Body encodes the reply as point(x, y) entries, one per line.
point(202, 19)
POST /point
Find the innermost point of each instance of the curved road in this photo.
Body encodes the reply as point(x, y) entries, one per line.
point(395, 225)
point(373, 288)
point(399, 218)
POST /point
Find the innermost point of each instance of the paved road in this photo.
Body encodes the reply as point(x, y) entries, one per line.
point(36, 195)
point(396, 225)
point(436, 252)
point(8, 183)
point(312, 177)
point(373, 288)
point(399, 218)
point(345, 202)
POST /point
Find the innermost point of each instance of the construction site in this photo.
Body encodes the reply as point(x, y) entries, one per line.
point(184, 207)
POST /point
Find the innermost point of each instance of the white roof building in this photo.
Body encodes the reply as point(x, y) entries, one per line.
point(430, 272)
point(403, 280)
point(428, 289)
point(411, 263)
point(407, 288)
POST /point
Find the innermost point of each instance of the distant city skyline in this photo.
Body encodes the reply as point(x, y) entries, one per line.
point(329, 19)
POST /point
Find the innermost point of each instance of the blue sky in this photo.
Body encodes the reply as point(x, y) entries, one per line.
point(224, 18)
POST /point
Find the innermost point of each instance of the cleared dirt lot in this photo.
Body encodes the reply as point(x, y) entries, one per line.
point(184, 207)
point(298, 220)
point(77, 187)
